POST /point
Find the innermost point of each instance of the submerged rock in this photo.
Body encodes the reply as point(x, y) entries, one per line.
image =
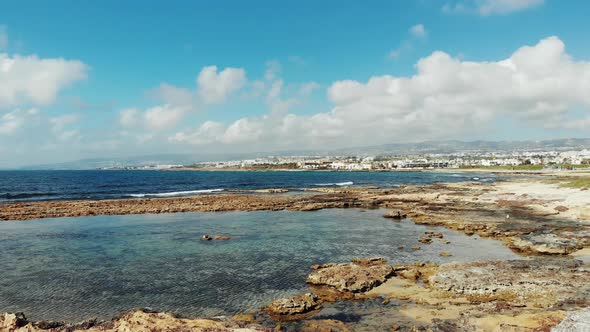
point(324, 325)
point(359, 276)
point(425, 240)
point(294, 308)
point(438, 235)
point(208, 237)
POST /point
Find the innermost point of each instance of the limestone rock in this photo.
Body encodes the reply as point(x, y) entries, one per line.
point(356, 277)
point(397, 215)
point(294, 308)
point(12, 321)
point(539, 281)
point(574, 321)
point(548, 244)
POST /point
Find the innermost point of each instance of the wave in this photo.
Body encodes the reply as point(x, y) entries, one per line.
point(177, 193)
point(347, 183)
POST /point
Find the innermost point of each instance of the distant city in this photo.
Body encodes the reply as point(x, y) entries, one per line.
point(523, 159)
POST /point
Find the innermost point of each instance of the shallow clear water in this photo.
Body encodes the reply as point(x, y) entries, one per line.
point(76, 268)
point(45, 185)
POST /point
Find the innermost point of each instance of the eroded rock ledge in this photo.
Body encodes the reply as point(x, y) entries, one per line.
point(141, 320)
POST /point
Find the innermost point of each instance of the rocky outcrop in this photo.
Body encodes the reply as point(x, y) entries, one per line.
point(294, 308)
point(396, 215)
point(12, 321)
point(546, 243)
point(359, 276)
point(540, 282)
point(136, 321)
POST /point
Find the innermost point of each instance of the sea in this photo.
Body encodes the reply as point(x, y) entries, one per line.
point(113, 184)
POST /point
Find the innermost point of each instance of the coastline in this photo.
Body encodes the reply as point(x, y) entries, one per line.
point(535, 218)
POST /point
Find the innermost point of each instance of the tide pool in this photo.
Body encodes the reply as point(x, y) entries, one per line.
point(78, 268)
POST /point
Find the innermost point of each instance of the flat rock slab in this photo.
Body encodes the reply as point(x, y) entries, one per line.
point(359, 276)
point(539, 281)
point(547, 244)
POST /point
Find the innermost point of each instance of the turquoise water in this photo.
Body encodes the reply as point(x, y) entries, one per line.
point(77, 268)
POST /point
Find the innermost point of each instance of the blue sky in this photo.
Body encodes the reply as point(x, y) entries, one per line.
point(131, 78)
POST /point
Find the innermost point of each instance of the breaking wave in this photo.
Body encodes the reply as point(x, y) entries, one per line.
point(347, 183)
point(176, 193)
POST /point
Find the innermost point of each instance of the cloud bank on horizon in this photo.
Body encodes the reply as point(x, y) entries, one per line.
point(445, 96)
point(539, 83)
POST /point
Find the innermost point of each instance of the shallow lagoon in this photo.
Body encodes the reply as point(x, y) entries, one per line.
point(76, 268)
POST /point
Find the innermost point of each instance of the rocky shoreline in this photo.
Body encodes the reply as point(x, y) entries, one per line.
point(549, 289)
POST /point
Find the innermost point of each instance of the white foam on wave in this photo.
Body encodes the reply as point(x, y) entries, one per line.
point(177, 193)
point(347, 183)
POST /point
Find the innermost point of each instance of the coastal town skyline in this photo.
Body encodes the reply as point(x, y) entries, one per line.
point(159, 79)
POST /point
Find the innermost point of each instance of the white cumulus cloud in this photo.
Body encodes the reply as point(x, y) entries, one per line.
point(214, 87)
point(418, 30)
point(154, 118)
point(490, 7)
point(33, 80)
point(12, 121)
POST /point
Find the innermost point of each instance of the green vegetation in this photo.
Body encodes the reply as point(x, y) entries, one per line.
point(517, 168)
point(528, 167)
point(571, 181)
